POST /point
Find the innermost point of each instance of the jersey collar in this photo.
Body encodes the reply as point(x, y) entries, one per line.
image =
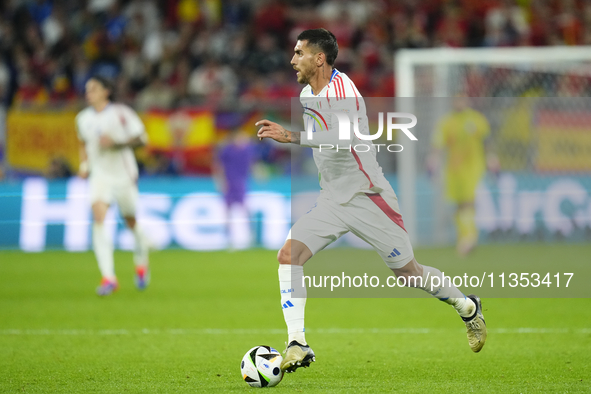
point(334, 73)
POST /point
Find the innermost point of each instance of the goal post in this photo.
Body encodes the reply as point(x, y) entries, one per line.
point(477, 72)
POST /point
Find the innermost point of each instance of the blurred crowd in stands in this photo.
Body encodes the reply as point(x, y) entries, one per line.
point(171, 53)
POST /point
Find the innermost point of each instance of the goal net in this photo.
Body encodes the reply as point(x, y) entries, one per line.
point(536, 101)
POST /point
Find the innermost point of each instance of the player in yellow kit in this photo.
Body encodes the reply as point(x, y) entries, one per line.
point(462, 134)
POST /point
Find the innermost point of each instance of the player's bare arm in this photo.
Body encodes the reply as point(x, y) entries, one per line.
point(277, 132)
point(107, 142)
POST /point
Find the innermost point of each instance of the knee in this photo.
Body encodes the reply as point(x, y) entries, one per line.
point(284, 255)
point(98, 217)
point(99, 211)
point(130, 221)
point(294, 252)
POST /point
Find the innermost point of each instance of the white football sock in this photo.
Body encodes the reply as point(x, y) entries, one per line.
point(293, 308)
point(140, 249)
point(446, 291)
point(103, 250)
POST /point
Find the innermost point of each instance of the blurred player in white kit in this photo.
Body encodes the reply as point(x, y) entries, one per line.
point(108, 132)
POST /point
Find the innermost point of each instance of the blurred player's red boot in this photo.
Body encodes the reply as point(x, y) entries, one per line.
point(142, 277)
point(107, 287)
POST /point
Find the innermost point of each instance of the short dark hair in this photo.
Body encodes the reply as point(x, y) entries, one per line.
point(105, 83)
point(323, 40)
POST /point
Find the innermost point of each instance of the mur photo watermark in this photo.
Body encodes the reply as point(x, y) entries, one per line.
point(353, 124)
point(345, 120)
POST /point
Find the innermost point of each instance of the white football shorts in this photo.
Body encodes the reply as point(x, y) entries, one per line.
point(124, 193)
point(373, 217)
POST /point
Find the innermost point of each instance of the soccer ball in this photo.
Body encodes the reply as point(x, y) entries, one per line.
point(260, 367)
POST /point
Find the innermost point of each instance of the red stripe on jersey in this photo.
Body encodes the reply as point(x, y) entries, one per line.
point(341, 86)
point(383, 205)
point(122, 119)
point(336, 87)
point(356, 98)
point(361, 168)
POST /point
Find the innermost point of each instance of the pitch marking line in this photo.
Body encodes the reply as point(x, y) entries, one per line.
point(272, 331)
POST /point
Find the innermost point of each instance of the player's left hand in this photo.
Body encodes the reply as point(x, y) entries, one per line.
point(432, 166)
point(272, 130)
point(106, 142)
point(493, 164)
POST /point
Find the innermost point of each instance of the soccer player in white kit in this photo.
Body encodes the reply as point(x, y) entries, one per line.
point(108, 132)
point(355, 196)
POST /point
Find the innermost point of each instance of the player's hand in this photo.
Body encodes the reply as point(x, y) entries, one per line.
point(493, 164)
point(272, 130)
point(432, 166)
point(106, 142)
point(83, 170)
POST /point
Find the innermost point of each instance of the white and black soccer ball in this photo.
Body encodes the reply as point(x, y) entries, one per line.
point(261, 367)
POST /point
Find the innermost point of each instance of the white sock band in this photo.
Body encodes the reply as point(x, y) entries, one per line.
point(103, 250)
point(293, 308)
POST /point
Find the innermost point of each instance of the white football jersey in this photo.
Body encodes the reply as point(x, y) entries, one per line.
point(119, 122)
point(344, 172)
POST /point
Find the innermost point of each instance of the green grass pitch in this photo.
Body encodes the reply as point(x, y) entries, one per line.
point(189, 330)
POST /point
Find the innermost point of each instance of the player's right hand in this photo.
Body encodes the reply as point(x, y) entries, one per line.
point(272, 130)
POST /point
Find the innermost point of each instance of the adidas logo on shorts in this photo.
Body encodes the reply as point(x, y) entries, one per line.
point(394, 253)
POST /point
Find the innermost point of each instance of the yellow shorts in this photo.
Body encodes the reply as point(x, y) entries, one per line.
point(461, 187)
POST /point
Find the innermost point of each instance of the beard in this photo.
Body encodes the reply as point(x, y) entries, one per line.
point(304, 77)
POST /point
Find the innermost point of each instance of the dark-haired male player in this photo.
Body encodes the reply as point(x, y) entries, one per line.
point(355, 196)
point(108, 132)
